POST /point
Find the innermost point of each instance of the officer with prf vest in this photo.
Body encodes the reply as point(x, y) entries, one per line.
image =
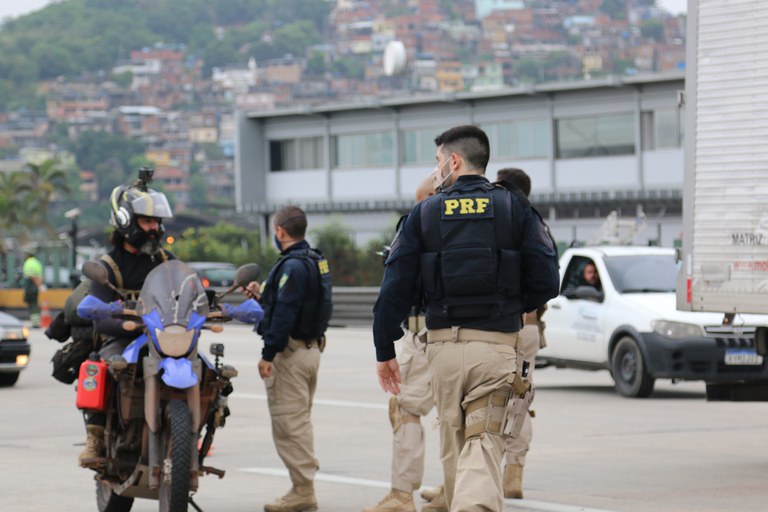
point(482, 259)
point(296, 297)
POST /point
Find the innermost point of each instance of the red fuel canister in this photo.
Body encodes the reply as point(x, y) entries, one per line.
point(93, 384)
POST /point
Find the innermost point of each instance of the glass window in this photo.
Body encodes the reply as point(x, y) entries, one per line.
point(667, 128)
point(371, 149)
point(292, 154)
point(642, 274)
point(519, 139)
point(662, 129)
point(418, 146)
point(595, 136)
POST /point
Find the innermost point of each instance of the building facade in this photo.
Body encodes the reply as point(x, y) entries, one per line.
point(591, 148)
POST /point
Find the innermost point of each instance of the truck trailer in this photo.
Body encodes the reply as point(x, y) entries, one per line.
point(724, 255)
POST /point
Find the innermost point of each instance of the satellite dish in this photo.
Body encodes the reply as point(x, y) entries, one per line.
point(394, 58)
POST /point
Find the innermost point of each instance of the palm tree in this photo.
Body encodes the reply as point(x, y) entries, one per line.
point(45, 181)
point(15, 211)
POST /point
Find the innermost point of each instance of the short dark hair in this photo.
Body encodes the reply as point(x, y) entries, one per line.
point(293, 220)
point(470, 142)
point(517, 177)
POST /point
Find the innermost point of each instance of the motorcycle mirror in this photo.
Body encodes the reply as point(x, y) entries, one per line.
point(247, 273)
point(95, 271)
point(244, 275)
point(98, 273)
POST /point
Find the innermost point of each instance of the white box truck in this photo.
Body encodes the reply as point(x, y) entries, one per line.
point(724, 256)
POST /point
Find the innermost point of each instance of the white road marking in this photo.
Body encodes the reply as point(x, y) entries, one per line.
point(539, 506)
point(333, 403)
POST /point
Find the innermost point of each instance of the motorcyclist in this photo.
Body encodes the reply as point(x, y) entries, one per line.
point(136, 214)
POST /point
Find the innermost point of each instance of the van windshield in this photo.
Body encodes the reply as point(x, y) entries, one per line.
point(642, 274)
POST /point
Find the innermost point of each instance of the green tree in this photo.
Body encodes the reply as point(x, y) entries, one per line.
point(224, 242)
point(652, 29)
point(45, 180)
point(315, 64)
point(108, 156)
point(616, 9)
point(198, 191)
point(15, 212)
point(336, 243)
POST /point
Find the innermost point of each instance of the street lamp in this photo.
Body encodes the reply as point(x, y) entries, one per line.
point(73, 214)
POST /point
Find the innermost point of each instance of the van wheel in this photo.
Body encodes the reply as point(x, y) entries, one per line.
point(629, 371)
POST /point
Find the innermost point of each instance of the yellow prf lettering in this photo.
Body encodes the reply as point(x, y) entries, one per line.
point(322, 266)
point(482, 202)
point(467, 206)
point(450, 205)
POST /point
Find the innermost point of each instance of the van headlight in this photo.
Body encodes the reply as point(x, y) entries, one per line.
point(676, 330)
point(14, 333)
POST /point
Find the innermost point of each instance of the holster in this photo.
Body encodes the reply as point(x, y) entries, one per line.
point(519, 405)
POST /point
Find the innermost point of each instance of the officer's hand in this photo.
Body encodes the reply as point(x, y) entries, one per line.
point(389, 376)
point(265, 369)
point(253, 290)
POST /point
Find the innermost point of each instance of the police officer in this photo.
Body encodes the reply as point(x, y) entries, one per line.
point(136, 214)
point(296, 297)
point(482, 260)
point(406, 409)
point(531, 340)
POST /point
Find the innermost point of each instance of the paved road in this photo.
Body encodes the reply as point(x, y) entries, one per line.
point(593, 450)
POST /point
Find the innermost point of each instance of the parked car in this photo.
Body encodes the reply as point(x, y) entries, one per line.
point(213, 274)
point(14, 349)
point(629, 324)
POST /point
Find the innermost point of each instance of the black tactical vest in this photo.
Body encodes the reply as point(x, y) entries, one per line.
point(315, 312)
point(470, 266)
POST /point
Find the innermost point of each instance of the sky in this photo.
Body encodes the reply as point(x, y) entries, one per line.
point(16, 8)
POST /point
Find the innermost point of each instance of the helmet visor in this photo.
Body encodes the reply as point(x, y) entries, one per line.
point(152, 204)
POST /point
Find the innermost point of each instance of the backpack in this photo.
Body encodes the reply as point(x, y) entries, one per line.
point(66, 361)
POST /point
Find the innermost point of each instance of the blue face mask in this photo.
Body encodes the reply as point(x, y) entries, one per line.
point(278, 244)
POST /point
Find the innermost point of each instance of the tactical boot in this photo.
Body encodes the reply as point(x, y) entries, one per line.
point(513, 481)
point(438, 504)
point(94, 445)
point(296, 500)
point(395, 501)
point(430, 494)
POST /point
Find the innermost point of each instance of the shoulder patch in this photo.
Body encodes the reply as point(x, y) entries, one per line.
point(283, 280)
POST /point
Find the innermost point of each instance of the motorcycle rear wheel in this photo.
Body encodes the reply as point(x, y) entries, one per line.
point(175, 471)
point(108, 501)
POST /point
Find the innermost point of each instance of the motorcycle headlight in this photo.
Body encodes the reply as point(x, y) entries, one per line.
point(676, 330)
point(175, 340)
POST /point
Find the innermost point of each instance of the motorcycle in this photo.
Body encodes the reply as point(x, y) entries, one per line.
point(160, 394)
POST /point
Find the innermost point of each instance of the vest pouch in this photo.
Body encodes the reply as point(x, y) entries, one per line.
point(509, 272)
point(430, 270)
point(463, 308)
point(469, 271)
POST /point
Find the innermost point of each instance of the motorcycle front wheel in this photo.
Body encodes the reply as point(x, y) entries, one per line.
point(108, 501)
point(176, 464)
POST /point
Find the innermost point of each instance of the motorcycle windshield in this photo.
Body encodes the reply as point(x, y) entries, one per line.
point(174, 291)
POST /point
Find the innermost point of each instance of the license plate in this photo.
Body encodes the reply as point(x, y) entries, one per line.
point(742, 357)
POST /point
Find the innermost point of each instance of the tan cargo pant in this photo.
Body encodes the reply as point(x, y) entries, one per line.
point(290, 390)
point(415, 400)
point(464, 371)
point(527, 347)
